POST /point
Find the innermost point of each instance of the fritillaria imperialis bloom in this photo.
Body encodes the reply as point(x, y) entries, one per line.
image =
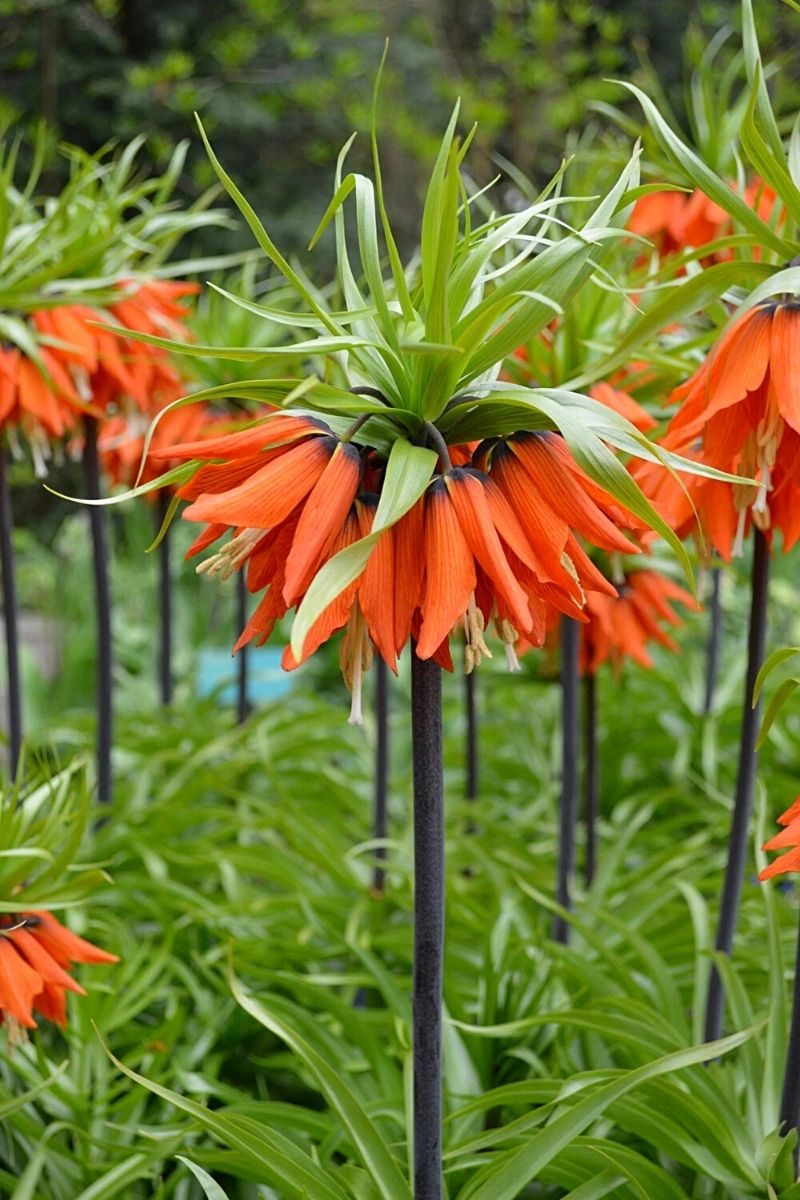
point(84, 369)
point(788, 840)
point(122, 438)
point(740, 413)
point(675, 221)
point(36, 952)
point(495, 540)
point(620, 626)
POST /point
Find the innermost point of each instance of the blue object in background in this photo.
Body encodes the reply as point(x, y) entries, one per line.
point(217, 673)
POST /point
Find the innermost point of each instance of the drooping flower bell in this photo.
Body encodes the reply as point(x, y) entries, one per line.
point(491, 541)
point(788, 840)
point(36, 952)
point(620, 626)
point(740, 413)
point(122, 437)
point(109, 369)
point(675, 221)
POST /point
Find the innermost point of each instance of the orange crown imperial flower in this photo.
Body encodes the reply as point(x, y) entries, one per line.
point(787, 839)
point(81, 368)
point(36, 952)
point(740, 413)
point(620, 626)
point(492, 541)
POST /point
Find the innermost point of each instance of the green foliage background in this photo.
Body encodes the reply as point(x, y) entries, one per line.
point(281, 84)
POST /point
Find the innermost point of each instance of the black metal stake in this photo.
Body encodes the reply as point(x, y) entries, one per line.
point(568, 808)
point(592, 777)
point(102, 599)
point(242, 701)
point(745, 780)
point(380, 818)
point(14, 697)
point(471, 708)
point(714, 639)
point(790, 1097)
point(164, 603)
point(426, 728)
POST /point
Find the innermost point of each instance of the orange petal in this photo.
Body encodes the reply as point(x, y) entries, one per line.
point(68, 324)
point(9, 365)
point(562, 492)
point(449, 571)
point(19, 985)
point(623, 404)
point(468, 498)
point(270, 432)
point(791, 814)
point(784, 356)
point(544, 531)
point(65, 946)
point(591, 577)
point(376, 592)
point(206, 539)
point(37, 957)
point(409, 570)
point(783, 864)
point(213, 478)
point(271, 493)
point(738, 363)
point(338, 611)
point(325, 509)
point(52, 1004)
point(38, 398)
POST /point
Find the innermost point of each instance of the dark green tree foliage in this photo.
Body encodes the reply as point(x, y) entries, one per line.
point(282, 83)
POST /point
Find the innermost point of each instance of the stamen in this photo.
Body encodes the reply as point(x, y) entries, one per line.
point(475, 648)
point(616, 568)
point(570, 568)
point(80, 377)
point(508, 636)
point(512, 662)
point(38, 454)
point(738, 542)
point(17, 1033)
point(760, 502)
point(231, 556)
point(352, 658)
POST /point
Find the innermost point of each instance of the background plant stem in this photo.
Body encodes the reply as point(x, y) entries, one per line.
point(426, 728)
point(164, 604)
point(714, 643)
point(745, 780)
point(592, 776)
point(790, 1097)
point(568, 806)
point(14, 695)
point(102, 595)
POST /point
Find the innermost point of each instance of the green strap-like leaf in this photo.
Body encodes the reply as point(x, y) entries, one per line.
point(374, 1151)
point(703, 177)
point(506, 1178)
point(210, 1186)
point(275, 1157)
point(263, 238)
